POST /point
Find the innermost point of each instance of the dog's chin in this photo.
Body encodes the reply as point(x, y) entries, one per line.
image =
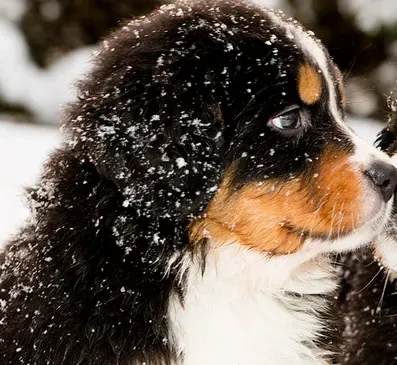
point(378, 216)
point(385, 252)
point(385, 244)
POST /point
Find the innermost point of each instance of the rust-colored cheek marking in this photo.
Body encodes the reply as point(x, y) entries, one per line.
point(277, 216)
point(309, 84)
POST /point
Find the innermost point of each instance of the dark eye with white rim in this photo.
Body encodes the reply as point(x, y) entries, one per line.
point(288, 119)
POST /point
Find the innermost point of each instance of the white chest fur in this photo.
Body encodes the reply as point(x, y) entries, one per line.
point(247, 309)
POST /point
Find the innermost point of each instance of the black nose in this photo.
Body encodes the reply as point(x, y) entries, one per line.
point(384, 176)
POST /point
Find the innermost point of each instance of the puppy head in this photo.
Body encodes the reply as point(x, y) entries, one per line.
point(228, 119)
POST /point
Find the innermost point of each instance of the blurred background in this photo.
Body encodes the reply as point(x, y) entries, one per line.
point(46, 46)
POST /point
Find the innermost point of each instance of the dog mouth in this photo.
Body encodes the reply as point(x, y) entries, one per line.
point(305, 234)
point(363, 234)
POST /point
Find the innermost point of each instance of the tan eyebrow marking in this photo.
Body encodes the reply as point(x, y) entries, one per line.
point(309, 84)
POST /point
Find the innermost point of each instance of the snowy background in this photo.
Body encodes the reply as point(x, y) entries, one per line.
point(46, 46)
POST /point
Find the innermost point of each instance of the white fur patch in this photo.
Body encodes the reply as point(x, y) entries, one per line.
point(250, 309)
point(386, 253)
point(394, 160)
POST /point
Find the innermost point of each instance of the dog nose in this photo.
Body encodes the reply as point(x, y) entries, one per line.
point(384, 177)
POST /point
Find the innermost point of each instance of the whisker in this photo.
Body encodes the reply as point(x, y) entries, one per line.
point(351, 69)
point(341, 216)
point(366, 286)
point(371, 263)
point(333, 217)
point(379, 307)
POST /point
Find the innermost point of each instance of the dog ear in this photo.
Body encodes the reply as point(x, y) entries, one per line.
point(162, 152)
point(387, 137)
point(149, 118)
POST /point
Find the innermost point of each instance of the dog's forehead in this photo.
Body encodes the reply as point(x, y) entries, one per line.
point(316, 66)
point(317, 78)
point(292, 46)
point(295, 53)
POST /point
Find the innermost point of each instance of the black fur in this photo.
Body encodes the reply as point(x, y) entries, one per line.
point(368, 308)
point(173, 99)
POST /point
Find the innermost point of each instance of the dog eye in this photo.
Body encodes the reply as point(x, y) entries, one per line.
point(290, 118)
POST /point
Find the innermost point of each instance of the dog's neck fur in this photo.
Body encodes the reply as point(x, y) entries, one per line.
point(249, 309)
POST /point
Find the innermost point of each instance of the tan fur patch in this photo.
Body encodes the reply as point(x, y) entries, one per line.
point(277, 216)
point(309, 84)
point(220, 115)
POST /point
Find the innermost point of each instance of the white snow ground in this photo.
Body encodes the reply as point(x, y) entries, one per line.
point(23, 148)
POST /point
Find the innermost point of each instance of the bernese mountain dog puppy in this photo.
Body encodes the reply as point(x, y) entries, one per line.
point(368, 294)
point(205, 177)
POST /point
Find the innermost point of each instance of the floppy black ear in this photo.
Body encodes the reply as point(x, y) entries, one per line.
point(159, 140)
point(149, 118)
